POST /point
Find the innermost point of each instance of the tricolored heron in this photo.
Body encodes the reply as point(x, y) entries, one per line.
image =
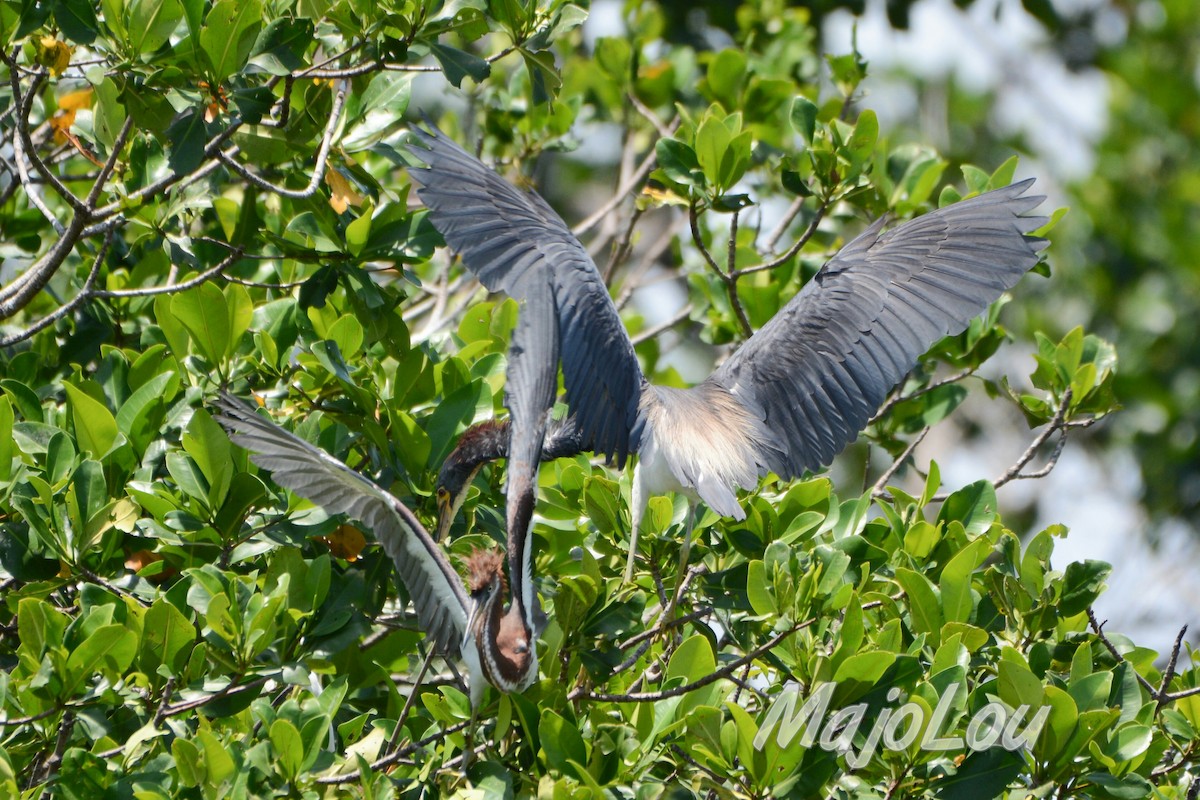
point(497, 644)
point(796, 392)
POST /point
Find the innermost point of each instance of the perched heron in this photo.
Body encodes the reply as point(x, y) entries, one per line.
point(796, 392)
point(496, 644)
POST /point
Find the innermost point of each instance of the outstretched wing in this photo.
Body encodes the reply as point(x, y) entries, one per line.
point(503, 235)
point(435, 588)
point(822, 366)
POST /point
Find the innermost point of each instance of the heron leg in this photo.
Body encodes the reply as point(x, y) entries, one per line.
point(637, 510)
point(685, 551)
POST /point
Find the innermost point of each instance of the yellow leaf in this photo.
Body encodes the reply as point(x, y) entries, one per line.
point(663, 197)
point(73, 101)
point(341, 194)
point(345, 542)
point(53, 54)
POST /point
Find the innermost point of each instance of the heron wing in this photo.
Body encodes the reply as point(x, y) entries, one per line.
point(530, 387)
point(818, 371)
point(436, 589)
point(503, 234)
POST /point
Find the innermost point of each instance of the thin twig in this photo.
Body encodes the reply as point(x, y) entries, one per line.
point(623, 190)
point(898, 397)
point(408, 703)
point(730, 280)
point(780, 229)
point(680, 316)
point(83, 296)
point(1099, 631)
point(723, 672)
point(110, 164)
point(794, 249)
point(878, 491)
point(182, 286)
point(1057, 423)
point(318, 175)
point(1169, 672)
point(387, 761)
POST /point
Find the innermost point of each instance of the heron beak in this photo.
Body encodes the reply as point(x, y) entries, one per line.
point(445, 518)
point(476, 606)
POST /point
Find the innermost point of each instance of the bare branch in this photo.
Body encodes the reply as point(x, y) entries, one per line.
point(898, 398)
point(795, 248)
point(878, 491)
point(780, 229)
point(110, 164)
point(680, 316)
point(1057, 423)
point(182, 286)
point(730, 280)
point(318, 175)
point(23, 146)
point(21, 291)
point(1169, 672)
point(713, 677)
point(1099, 631)
point(627, 186)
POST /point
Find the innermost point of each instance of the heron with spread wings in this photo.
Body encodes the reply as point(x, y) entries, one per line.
point(788, 400)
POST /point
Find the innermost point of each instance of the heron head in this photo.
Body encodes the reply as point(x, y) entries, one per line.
point(478, 445)
point(504, 639)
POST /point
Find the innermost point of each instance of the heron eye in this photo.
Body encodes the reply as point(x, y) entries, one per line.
point(443, 493)
point(521, 648)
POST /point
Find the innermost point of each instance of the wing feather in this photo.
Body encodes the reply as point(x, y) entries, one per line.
point(502, 235)
point(821, 367)
point(436, 589)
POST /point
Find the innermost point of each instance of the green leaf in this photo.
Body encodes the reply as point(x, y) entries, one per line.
point(358, 232)
point(151, 23)
point(78, 21)
point(1018, 686)
point(281, 45)
point(678, 161)
point(561, 742)
point(973, 505)
point(761, 599)
point(862, 142)
point(95, 428)
point(167, 638)
point(923, 605)
point(108, 651)
point(186, 135)
point(725, 76)
point(141, 415)
point(203, 312)
point(7, 449)
point(1082, 584)
point(458, 64)
point(692, 660)
point(804, 117)
point(985, 773)
point(229, 33)
point(188, 765)
point(955, 582)
point(712, 142)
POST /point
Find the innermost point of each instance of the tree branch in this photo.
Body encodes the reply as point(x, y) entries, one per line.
point(716, 675)
point(335, 115)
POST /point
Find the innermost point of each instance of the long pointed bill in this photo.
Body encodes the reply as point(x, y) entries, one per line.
point(445, 520)
point(474, 610)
